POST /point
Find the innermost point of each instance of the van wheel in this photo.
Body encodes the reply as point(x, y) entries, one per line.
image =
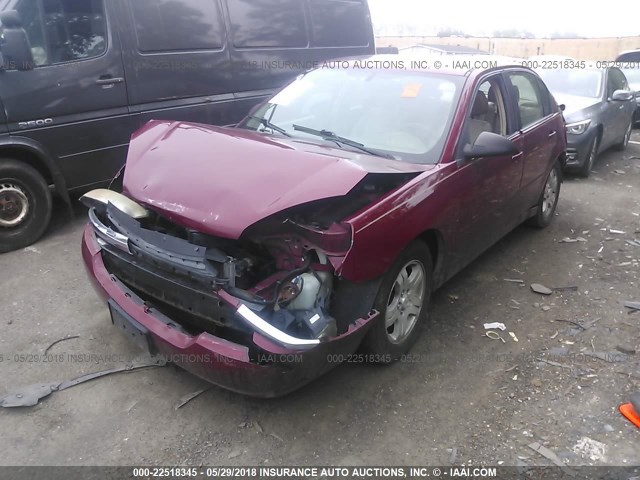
point(25, 205)
point(403, 302)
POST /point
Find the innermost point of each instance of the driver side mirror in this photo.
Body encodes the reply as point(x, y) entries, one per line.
point(15, 50)
point(621, 96)
point(490, 144)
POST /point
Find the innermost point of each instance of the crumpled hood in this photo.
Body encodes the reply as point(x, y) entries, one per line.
point(220, 181)
point(574, 103)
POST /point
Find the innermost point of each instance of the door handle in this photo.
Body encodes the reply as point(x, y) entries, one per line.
point(105, 81)
point(553, 134)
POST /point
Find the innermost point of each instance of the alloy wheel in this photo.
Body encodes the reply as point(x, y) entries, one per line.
point(405, 302)
point(551, 192)
point(591, 159)
point(627, 136)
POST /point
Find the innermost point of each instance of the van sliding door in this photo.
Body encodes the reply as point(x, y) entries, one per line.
point(176, 60)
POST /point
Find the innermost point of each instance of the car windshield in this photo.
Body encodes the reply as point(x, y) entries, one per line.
point(581, 83)
point(401, 115)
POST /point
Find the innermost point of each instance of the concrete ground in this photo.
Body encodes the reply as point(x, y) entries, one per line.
point(463, 398)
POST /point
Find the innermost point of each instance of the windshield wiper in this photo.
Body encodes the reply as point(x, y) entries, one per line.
point(266, 123)
point(328, 135)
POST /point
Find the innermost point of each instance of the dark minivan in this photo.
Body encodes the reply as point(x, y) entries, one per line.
point(77, 77)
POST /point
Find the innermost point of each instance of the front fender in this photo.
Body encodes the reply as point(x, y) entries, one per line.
point(386, 228)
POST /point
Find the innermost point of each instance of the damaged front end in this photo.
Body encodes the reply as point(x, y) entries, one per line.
point(277, 282)
point(246, 303)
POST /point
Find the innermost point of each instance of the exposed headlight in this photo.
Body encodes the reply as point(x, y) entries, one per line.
point(578, 128)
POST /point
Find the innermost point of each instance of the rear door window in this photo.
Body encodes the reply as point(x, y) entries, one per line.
point(268, 23)
point(167, 25)
point(528, 94)
point(64, 30)
point(340, 23)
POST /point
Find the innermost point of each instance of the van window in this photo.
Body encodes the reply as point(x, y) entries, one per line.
point(340, 23)
point(167, 25)
point(64, 30)
point(268, 23)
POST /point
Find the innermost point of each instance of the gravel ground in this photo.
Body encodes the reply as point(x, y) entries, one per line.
point(463, 398)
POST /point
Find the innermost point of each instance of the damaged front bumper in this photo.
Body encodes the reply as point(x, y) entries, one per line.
point(271, 363)
point(249, 316)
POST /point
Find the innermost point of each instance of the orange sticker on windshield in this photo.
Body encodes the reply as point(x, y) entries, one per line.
point(411, 90)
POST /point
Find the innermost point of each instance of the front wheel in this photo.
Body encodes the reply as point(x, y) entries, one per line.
point(549, 199)
point(403, 302)
point(25, 205)
point(592, 156)
point(625, 140)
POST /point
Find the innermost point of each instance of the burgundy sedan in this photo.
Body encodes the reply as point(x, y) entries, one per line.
point(258, 257)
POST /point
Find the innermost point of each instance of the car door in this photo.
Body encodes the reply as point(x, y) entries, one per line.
point(623, 110)
point(612, 112)
point(540, 134)
point(74, 101)
point(492, 183)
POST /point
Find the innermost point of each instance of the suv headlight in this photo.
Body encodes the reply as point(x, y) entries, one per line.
point(578, 128)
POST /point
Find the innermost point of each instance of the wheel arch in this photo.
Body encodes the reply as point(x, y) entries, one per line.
point(35, 155)
point(599, 134)
point(434, 240)
point(562, 159)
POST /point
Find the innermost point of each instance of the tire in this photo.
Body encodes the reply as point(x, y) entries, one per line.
point(548, 198)
point(622, 146)
point(25, 205)
point(592, 157)
point(380, 343)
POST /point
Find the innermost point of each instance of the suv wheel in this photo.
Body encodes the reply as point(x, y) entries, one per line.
point(625, 140)
point(592, 156)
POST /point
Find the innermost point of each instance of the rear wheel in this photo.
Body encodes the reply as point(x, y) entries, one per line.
point(25, 205)
point(403, 302)
point(549, 198)
point(592, 156)
point(625, 140)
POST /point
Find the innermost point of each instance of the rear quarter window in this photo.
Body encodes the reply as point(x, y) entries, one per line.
point(167, 25)
point(268, 23)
